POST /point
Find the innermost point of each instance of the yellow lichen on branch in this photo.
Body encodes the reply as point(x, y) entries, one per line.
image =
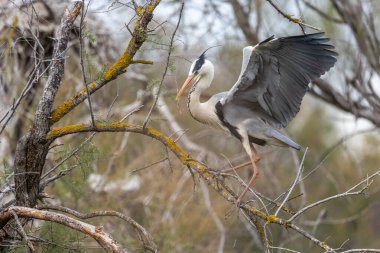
point(104, 239)
point(122, 63)
point(271, 218)
point(202, 170)
point(184, 158)
point(139, 36)
point(141, 62)
point(66, 129)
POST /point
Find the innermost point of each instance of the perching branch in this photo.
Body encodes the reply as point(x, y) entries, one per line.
point(201, 169)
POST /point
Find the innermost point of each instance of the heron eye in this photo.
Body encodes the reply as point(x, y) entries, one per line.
point(198, 65)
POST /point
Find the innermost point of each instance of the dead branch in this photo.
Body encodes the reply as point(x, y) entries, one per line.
point(291, 18)
point(22, 231)
point(170, 49)
point(342, 220)
point(97, 233)
point(242, 19)
point(84, 216)
point(202, 170)
point(32, 149)
point(296, 180)
point(81, 27)
point(365, 33)
point(215, 218)
point(138, 38)
point(360, 250)
point(322, 13)
point(349, 192)
point(333, 96)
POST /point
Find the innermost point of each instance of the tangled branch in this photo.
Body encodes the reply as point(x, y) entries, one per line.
point(139, 35)
point(84, 216)
point(210, 176)
point(97, 233)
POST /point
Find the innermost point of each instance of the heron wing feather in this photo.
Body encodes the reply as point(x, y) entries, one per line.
point(275, 77)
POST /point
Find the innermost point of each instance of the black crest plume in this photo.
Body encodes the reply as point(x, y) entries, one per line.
point(203, 55)
point(201, 60)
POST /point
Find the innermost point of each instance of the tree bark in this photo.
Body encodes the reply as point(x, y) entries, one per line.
point(32, 148)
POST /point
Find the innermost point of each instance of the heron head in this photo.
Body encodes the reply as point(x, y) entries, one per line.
point(199, 68)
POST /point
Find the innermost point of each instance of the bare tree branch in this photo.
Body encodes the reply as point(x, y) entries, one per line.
point(296, 180)
point(81, 27)
point(22, 231)
point(349, 192)
point(140, 229)
point(242, 19)
point(32, 149)
point(138, 38)
point(291, 18)
point(104, 240)
point(202, 170)
point(166, 67)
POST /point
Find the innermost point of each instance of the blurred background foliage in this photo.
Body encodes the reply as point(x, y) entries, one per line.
point(114, 171)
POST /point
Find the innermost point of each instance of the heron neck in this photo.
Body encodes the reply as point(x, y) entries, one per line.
point(198, 110)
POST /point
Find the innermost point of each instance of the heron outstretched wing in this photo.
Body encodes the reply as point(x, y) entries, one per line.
point(275, 74)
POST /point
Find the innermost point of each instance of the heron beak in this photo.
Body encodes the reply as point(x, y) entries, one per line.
point(184, 86)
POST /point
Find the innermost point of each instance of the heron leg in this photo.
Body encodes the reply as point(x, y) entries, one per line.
point(252, 154)
point(257, 158)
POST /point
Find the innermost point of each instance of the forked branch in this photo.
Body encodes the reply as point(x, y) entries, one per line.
point(201, 169)
point(97, 233)
point(139, 35)
point(84, 216)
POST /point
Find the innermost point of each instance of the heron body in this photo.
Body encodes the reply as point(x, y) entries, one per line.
point(273, 80)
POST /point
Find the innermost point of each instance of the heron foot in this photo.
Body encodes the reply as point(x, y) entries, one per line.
point(257, 159)
point(235, 207)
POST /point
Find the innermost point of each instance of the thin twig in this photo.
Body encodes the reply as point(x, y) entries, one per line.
point(85, 216)
point(322, 14)
point(290, 18)
point(293, 185)
point(342, 220)
point(344, 194)
point(72, 153)
point(360, 250)
point(215, 218)
point(104, 239)
point(201, 169)
point(22, 231)
point(81, 26)
point(150, 165)
point(284, 249)
point(328, 151)
point(166, 67)
point(59, 175)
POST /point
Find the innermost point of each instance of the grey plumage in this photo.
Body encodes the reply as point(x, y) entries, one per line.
point(277, 75)
point(273, 80)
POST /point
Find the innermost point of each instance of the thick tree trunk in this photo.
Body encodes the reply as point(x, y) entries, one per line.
point(32, 148)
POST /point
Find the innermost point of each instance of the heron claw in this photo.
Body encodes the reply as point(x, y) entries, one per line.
point(236, 207)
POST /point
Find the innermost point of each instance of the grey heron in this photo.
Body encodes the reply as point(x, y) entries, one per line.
point(273, 80)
